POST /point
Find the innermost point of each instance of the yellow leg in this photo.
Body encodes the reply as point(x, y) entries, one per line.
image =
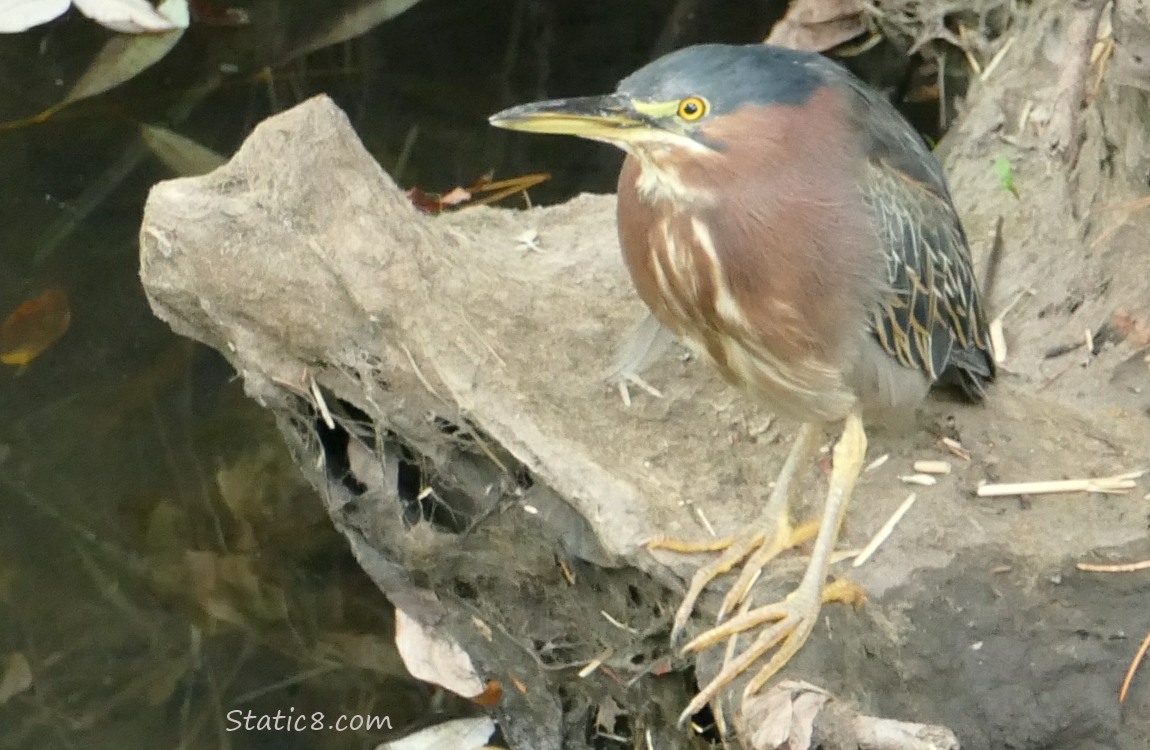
point(795, 617)
point(761, 547)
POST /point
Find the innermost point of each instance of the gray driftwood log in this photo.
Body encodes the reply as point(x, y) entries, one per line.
point(498, 491)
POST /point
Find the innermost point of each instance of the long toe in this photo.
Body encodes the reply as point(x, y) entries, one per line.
point(785, 537)
point(735, 551)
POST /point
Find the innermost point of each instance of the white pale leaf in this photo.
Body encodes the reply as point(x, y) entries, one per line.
point(127, 16)
point(435, 658)
point(175, 11)
point(121, 59)
point(21, 15)
point(457, 734)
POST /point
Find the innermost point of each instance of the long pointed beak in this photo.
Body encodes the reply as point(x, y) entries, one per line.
point(598, 117)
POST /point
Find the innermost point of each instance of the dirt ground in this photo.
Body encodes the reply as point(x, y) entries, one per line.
point(500, 492)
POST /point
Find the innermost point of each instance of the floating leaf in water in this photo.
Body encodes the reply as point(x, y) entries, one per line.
point(353, 22)
point(179, 153)
point(34, 326)
point(125, 57)
point(126, 16)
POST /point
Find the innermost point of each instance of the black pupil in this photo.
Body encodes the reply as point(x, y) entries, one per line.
point(690, 108)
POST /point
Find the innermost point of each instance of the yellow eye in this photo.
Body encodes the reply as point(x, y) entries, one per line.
point(692, 108)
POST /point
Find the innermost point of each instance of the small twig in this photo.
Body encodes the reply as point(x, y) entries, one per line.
point(994, 61)
point(1114, 567)
point(644, 385)
point(884, 532)
point(419, 373)
point(956, 448)
point(1112, 485)
point(320, 403)
point(997, 336)
point(481, 443)
point(971, 60)
point(595, 664)
point(703, 519)
point(993, 259)
point(932, 467)
point(1024, 115)
point(618, 624)
point(1102, 58)
point(1138, 657)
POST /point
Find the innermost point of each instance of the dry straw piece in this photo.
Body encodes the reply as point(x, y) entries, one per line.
point(932, 467)
point(884, 532)
point(1112, 485)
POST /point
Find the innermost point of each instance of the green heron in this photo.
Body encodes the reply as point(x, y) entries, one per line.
point(786, 222)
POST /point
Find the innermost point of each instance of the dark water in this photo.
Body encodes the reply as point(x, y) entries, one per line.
point(162, 564)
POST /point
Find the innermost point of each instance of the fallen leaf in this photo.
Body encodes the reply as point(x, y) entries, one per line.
point(428, 203)
point(435, 658)
point(228, 588)
point(784, 717)
point(17, 677)
point(34, 326)
point(819, 25)
point(457, 734)
point(21, 15)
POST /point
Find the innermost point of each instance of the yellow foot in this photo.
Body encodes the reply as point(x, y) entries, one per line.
point(756, 549)
point(793, 620)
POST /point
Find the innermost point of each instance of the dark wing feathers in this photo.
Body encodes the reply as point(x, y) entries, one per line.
point(931, 316)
